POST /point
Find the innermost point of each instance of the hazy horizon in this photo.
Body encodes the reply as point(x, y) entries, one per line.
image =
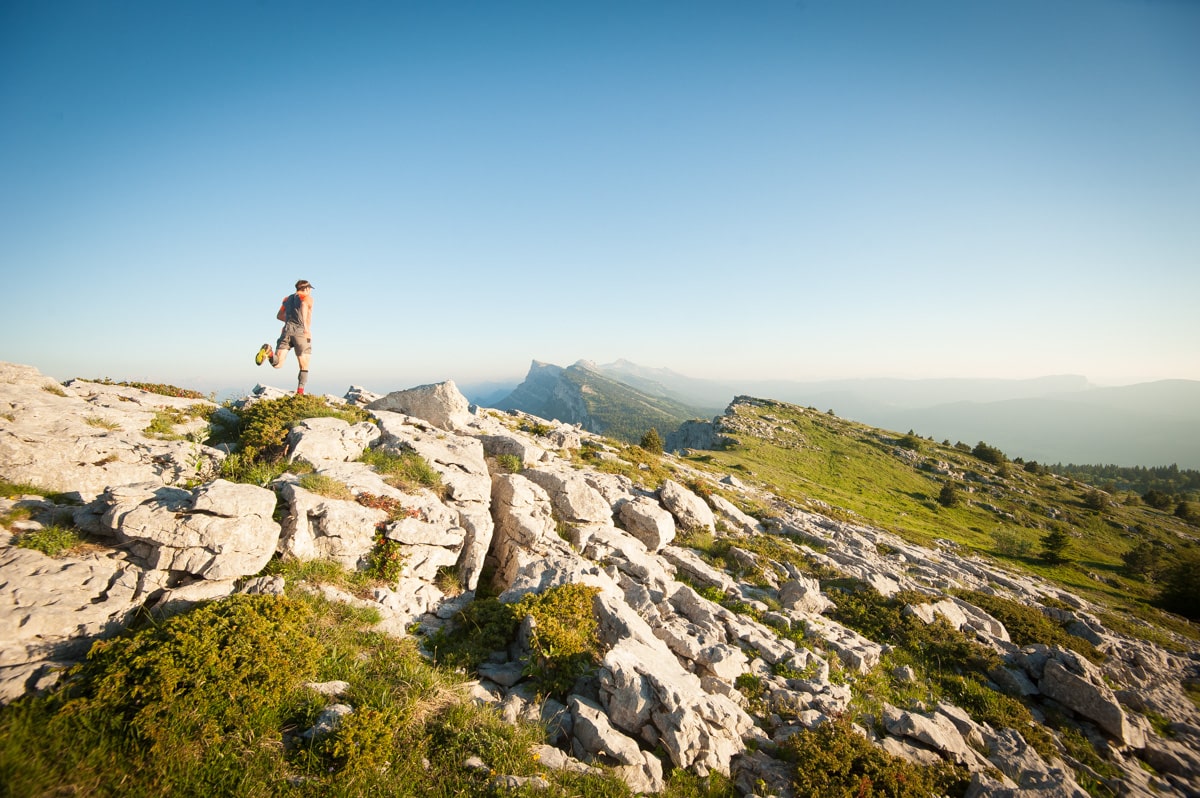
point(798, 191)
point(283, 379)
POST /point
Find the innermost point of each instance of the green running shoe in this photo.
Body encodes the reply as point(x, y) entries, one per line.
point(263, 354)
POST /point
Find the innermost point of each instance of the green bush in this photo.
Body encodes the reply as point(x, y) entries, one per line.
point(51, 541)
point(241, 467)
point(835, 760)
point(989, 454)
point(1158, 499)
point(237, 658)
point(1055, 544)
point(481, 628)
point(1027, 625)
point(1097, 500)
point(385, 560)
point(264, 425)
point(1010, 544)
point(565, 644)
point(211, 702)
point(1181, 585)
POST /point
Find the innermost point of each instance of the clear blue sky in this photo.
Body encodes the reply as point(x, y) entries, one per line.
point(812, 189)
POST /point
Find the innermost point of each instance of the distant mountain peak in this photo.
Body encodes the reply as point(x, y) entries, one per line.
point(599, 401)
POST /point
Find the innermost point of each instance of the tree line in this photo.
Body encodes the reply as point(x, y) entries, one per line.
point(1171, 480)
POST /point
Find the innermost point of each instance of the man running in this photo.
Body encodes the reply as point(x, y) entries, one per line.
point(296, 314)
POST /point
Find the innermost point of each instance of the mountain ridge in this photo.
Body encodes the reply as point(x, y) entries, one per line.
point(1057, 418)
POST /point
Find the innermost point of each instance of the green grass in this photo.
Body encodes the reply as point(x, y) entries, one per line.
point(809, 457)
point(260, 435)
point(325, 486)
point(643, 468)
point(155, 387)
point(14, 490)
point(212, 702)
point(509, 463)
point(834, 759)
point(166, 419)
point(53, 541)
point(405, 470)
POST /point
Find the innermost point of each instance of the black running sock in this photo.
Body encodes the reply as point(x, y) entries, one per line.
point(303, 378)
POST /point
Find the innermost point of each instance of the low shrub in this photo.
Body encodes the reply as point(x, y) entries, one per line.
point(240, 467)
point(481, 628)
point(213, 702)
point(263, 425)
point(564, 645)
point(53, 541)
point(509, 463)
point(989, 454)
point(1010, 544)
point(1027, 625)
point(237, 658)
point(834, 759)
point(652, 442)
point(385, 561)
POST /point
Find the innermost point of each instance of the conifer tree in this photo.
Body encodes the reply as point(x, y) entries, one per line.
point(651, 442)
point(1054, 546)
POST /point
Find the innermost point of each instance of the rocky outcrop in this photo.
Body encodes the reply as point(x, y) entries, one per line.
point(52, 609)
point(84, 437)
point(690, 511)
point(220, 530)
point(320, 441)
point(440, 404)
point(460, 461)
point(672, 685)
point(648, 521)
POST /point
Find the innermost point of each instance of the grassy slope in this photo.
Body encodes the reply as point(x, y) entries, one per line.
point(805, 455)
point(623, 412)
